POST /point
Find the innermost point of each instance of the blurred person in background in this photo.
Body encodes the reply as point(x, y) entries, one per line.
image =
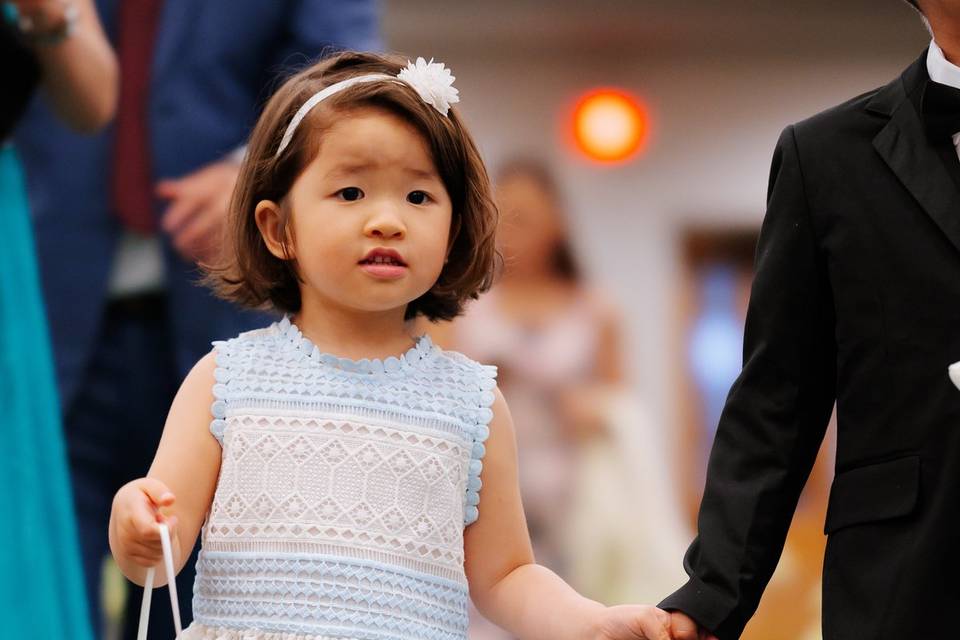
point(855, 301)
point(557, 342)
point(61, 48)
point(122, 219)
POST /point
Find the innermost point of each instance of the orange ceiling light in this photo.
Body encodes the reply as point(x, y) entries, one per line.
point(609, 125)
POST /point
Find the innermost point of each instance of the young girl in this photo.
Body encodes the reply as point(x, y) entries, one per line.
point(339, 496)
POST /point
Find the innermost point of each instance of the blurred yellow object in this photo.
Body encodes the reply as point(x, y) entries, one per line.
point(114, 597)
point(626, 533)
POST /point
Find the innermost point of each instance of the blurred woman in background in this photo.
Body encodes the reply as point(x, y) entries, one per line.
point(58, 46)
point(586, 456)
point(557, 344)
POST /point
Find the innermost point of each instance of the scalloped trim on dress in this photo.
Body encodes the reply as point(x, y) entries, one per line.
point(421, 351)
point(221, 376)
point(487, 380)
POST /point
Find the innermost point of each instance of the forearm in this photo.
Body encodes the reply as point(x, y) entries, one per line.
point(80, 70)
point(80, 79)
point(533, 603)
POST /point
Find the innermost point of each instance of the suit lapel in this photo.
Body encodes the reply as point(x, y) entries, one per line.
point(904, 147)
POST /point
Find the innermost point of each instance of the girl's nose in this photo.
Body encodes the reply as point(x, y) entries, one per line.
point(386, 226)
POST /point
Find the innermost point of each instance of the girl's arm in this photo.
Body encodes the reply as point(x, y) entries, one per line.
point(178, 488)
point(514, 592)
point(80, 73)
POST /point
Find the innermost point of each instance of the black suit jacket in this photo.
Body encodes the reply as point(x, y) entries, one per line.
point(856, 300)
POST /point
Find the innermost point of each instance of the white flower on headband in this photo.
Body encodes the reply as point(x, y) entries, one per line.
point(432, 82)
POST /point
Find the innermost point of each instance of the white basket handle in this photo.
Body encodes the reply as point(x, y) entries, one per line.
point(171, 584)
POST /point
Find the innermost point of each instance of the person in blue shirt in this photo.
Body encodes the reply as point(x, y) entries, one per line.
point(123, 218)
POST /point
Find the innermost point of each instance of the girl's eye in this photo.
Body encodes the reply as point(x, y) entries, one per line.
point(350, 194)
point(417, 197)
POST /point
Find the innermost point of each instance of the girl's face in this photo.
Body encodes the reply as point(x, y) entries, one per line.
point(370, 216)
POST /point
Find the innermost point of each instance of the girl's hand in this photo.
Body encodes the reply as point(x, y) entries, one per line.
point(631, 622)
point(137, 511)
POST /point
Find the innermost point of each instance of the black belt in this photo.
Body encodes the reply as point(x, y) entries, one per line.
point(139, 304)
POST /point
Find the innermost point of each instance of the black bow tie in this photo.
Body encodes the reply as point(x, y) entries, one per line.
point(941, 110)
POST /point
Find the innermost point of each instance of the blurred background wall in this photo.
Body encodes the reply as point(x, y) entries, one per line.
point(721, 79)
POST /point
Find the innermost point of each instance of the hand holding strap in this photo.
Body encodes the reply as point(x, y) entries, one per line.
point(171, 584)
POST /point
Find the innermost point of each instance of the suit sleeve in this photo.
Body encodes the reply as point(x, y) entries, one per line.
point(316, 28)
point(775, 416)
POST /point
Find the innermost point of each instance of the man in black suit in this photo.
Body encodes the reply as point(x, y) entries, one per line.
point(856, 301)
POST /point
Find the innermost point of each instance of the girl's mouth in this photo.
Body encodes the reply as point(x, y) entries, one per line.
point(385, 264)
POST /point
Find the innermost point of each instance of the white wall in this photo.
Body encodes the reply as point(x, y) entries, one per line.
point(720, 86)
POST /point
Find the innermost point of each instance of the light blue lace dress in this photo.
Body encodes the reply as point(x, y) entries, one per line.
point(344, 491)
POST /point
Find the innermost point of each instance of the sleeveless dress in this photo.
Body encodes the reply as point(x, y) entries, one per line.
point(344, 490)
point(41, 578)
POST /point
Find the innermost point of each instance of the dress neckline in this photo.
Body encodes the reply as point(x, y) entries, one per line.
point(422, 350)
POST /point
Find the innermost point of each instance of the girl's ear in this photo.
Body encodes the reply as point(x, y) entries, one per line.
point(269, 220)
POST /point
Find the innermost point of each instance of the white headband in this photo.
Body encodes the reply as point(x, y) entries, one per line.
point(432, 82)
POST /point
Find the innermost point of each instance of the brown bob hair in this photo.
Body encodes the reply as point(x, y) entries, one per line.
point(248, 274)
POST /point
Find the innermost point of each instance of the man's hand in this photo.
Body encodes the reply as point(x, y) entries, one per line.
point(683, 627)
point(198, 208)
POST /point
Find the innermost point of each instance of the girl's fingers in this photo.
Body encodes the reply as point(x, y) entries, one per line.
point(142, 523)
point(146, 561)
point(654, 624)
point(146, 551)
point(146, 556)
point(171, 522)
point(655, 628)
point(662, 616)
point(157, 491)
point(134, 539)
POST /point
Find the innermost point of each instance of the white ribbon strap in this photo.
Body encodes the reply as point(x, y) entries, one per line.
point(319, 96)
point(171, 584)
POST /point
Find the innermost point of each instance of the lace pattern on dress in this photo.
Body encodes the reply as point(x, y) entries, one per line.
point(344, 490)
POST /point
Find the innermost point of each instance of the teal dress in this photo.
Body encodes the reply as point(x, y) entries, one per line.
point(41, 583)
